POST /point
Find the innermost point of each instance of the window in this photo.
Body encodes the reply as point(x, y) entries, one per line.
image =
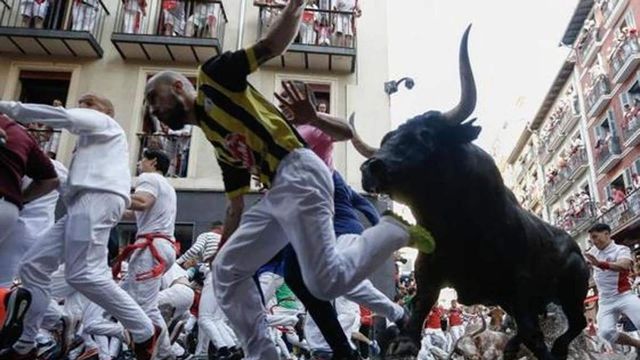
point(175, 143)
point(50, 88)
point(619, 182)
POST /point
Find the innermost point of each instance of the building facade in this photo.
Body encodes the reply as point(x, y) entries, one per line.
point(587, 131)
point(55, 51)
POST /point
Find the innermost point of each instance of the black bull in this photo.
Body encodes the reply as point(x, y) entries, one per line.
point(490, 249)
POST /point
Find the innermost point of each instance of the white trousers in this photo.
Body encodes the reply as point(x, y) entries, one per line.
point(80, 240)
point(269, 283)
point(83, 17)
point(9, 213)
point(365, 293)
point(179, 297)
point(609, 311)
point(456, 333)
point(145, 292)
point(298, 209)
point(211, 319)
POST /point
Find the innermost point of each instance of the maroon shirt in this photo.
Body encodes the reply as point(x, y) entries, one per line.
point(21, 156)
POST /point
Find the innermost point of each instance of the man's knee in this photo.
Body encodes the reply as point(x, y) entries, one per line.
point(611, 335)
point(323, 290)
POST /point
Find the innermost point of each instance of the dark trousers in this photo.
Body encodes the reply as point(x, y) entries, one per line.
point(322, 312)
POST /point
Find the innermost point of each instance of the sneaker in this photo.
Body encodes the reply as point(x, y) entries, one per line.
point(11, 354)
point(147, 350)
point(16, 303)
point(419, 237)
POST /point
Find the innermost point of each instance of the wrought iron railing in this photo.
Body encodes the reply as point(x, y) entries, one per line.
point(573, 221)
point(319, 27)
point(601, 87)
point(71, 15)
point(190, 18)
point(607, 150)
point(622, 213)
point(48, 139)
point(623, 51)
point(588, 41)
point(177, 148)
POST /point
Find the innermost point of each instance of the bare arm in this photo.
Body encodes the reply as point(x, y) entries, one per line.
point(617, 266)
point(39, 188)
point(282, 33)
point(232, 218)
point(142, 201)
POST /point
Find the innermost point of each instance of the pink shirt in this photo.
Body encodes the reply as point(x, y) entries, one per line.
point(319, 142)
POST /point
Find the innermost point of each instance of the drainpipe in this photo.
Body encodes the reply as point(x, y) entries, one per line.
point(243, 9)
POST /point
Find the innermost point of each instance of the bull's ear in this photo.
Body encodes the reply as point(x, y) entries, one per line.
point(463, 133)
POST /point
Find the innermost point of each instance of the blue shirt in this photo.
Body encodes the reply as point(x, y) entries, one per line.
point(346, 202)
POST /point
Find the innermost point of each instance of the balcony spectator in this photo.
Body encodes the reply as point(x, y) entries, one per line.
point(629, 121)
point(635, 179)
point(134, 11)
point(34, 10)
point(345, 23)
point(269, 13)
point(308, 24)
point(173, 17)
point(324, 30)
point(84, 14)
point(204, 20)
point(322, 107)
point(609, 204)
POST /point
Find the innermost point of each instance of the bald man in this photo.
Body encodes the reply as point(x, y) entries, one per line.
point(96, 195)
point(252, 138)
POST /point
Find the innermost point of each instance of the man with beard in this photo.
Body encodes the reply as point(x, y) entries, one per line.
point(252, 137)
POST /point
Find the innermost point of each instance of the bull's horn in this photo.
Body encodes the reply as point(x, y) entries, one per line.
point(467, 86)
point(473, 334)
point(363, 148)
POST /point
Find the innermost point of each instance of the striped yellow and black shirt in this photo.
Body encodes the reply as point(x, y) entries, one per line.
point(250, 134)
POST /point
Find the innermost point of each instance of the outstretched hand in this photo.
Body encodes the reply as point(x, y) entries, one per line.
point(591, 259)
point(296, 104)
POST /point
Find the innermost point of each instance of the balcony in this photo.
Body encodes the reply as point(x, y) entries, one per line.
point(577, 219)
point(189, 34)
point(175, 146)
point(320, 48)
point(631, 134)
point(623, 214)
point(56, 32)
point(607, 155)
point(589, 44)
point(598, 96)
point(611, 10)
point(578, 163)
point(624, 59)
point(569, 121)
point(544, 153)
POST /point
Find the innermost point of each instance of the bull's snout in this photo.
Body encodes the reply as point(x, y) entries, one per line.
point(374, 175)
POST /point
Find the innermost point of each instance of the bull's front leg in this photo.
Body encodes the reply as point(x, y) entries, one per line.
point(428, 284)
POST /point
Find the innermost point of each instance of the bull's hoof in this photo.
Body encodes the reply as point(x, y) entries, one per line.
point(402, 348)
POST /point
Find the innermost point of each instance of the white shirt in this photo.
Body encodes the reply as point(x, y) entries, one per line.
point(611, 283)
point(161, 217)
point(38, 216)
point(101, 158)
point(174, 273)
